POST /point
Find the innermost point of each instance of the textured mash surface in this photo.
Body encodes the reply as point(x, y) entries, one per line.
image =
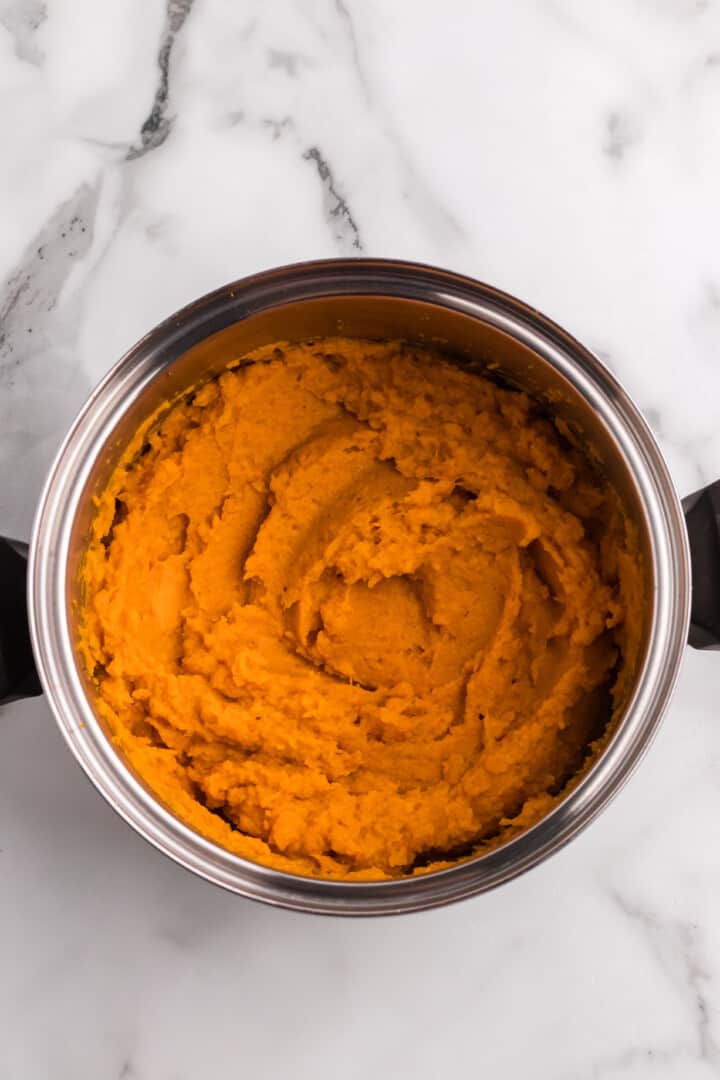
point(355, 613)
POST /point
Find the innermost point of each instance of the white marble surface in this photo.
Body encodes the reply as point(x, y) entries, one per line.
point(566, 150)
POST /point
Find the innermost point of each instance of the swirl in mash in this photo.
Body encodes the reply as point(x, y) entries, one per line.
point(356, 613)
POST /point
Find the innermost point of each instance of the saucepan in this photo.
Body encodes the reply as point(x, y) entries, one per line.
point(477, 327)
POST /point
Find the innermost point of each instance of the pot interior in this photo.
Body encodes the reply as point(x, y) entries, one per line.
point(466, 340)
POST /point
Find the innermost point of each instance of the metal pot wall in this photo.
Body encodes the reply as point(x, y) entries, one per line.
point(476, 326)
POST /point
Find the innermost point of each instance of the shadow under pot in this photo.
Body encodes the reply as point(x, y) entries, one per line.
point(480, 330)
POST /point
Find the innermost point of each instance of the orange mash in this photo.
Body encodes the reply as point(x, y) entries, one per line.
point(354, 613)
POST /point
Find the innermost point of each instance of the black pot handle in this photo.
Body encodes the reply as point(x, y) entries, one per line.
point(702, 516)
point(18, 676)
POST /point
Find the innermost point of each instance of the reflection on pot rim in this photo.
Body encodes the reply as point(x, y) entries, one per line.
point(362, 295)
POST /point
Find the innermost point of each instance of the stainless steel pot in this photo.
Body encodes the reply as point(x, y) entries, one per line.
point(478, 326)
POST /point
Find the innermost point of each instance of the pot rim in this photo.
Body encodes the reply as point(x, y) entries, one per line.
point(131, 374)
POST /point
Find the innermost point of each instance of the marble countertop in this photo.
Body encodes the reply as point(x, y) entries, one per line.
point(564, 150)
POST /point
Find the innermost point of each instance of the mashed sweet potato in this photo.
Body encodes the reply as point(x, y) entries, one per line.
point(352, 612)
